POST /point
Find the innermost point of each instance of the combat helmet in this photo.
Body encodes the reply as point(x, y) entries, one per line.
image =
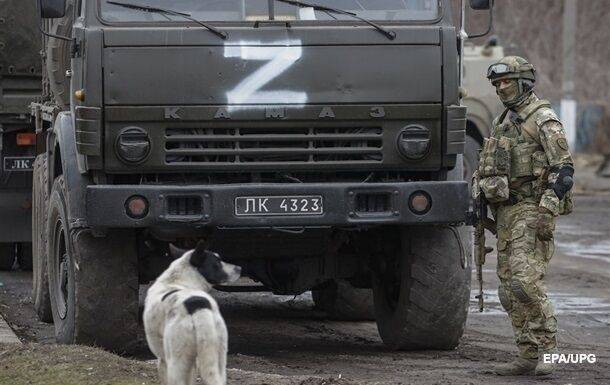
point(514, 67)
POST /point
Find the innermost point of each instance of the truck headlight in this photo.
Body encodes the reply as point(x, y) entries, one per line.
point(414, 142)
point(132, 145)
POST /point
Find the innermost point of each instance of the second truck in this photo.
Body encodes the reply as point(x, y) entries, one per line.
point(20, 84)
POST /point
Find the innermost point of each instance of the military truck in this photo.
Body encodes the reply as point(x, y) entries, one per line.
point(20, 83)
point(310, 144)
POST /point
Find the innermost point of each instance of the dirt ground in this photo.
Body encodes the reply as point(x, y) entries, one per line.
point(281, 340)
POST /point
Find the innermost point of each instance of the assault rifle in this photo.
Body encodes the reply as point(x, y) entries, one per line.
point(481, 222)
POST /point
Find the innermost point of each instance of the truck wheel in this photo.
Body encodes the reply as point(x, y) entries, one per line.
point(58, 57)
point(93, 281)
point(7, 256)
point(422, 292)
point(341, 301)
point(24, 257)
point(40, 278)
point(471, 157)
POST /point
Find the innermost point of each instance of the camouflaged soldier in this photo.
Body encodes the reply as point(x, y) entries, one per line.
point(525, 172)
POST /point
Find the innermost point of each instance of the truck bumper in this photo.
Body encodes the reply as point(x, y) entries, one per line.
point(214, 205)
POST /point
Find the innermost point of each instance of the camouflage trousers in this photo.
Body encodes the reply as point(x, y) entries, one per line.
point(522, 263)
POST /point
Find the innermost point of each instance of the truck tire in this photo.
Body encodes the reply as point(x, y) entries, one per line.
point(7, 256)
point(40, 277)
point(341, 301)
point(422, 293)
point(58, 56)
point(24, 256)
point(93, 281)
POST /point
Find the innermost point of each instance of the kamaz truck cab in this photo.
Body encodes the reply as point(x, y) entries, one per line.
point(318, 146)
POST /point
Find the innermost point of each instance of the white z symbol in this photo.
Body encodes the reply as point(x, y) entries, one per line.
point(281, 58)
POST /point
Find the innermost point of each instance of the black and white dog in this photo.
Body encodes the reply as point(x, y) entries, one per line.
point(184, 328)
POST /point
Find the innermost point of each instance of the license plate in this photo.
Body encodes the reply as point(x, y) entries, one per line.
point(18, 163)
point(279, 205)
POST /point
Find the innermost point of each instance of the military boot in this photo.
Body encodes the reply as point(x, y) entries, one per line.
point(545, 368)
point(518, 366)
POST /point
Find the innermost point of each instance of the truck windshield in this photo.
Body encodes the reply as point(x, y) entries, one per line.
point(253, 10)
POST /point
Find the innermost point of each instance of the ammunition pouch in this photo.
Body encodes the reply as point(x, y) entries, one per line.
point(528, 169)
point(495, 157)
point(495, 188)
point(494, 169)
point(522, 159)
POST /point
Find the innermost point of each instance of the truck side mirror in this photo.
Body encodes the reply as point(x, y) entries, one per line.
point(480, 4)
point(483, 5)
point(52, 9)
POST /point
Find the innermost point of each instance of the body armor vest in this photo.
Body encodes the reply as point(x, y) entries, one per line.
point(528, 162)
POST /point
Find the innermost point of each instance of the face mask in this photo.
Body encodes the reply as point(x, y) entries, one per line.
point(509, 93)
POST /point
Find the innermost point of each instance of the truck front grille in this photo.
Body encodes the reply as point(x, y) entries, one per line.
point(266, 146)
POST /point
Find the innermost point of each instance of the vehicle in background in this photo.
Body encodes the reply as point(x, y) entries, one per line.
point(20, 84)
point(480, 98)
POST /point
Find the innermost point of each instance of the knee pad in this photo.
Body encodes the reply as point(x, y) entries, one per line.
point(520, 291)
point(504, 299)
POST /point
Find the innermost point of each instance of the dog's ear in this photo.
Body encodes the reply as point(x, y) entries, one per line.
point(176, 252)
point(199, 254)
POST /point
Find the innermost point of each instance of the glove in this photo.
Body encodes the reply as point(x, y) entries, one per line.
point(545, 224)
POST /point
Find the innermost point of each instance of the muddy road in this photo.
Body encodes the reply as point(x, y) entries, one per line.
point(282, 340)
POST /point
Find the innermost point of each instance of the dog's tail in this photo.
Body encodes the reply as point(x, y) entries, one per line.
point(210, 337)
